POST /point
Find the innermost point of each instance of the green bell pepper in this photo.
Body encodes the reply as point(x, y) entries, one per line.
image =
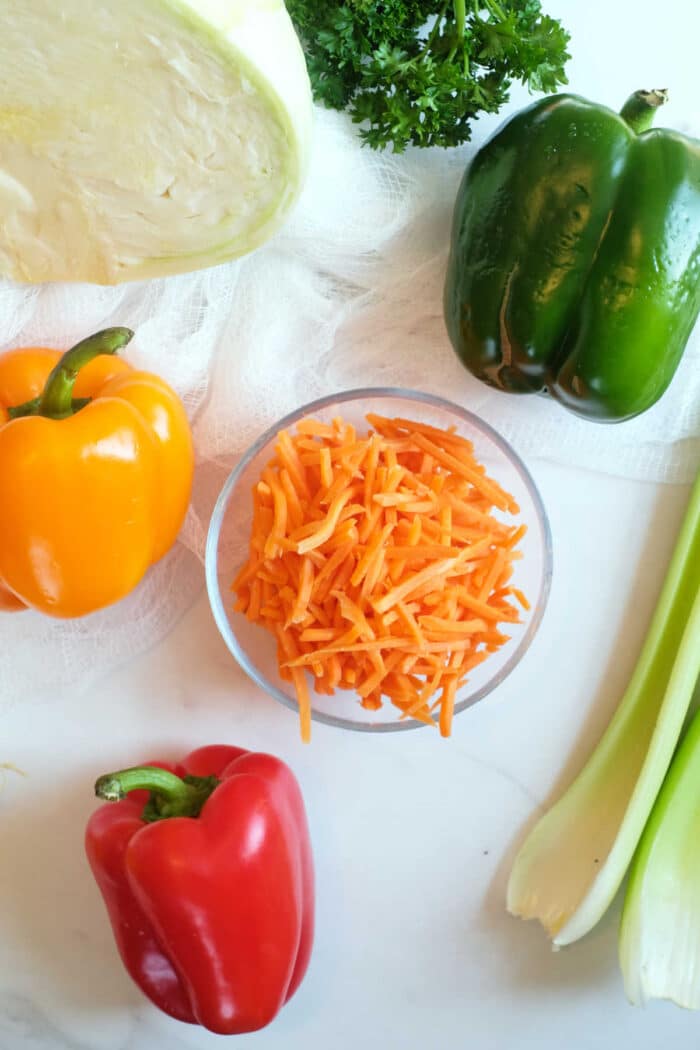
point(575, 260)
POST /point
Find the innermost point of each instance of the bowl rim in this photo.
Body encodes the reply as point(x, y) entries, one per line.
point(357, 394)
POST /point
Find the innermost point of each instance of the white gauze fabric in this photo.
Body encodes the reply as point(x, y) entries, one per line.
point(348, 294)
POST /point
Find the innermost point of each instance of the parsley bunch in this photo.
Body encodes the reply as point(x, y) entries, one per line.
point(418, 72)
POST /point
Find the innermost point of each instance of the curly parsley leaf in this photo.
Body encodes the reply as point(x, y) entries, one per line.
point(417, 72)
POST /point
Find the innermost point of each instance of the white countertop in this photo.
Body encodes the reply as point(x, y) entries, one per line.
point(413, 835)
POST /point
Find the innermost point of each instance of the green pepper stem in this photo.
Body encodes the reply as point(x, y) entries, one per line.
point(640, 108)
point(56, 402)
point(170, 795)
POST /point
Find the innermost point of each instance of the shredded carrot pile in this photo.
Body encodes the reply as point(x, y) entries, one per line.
point(379, 565)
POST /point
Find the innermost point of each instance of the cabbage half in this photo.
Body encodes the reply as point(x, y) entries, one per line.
point(140, 138)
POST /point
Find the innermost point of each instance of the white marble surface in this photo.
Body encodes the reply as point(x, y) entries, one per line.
point(413, 835)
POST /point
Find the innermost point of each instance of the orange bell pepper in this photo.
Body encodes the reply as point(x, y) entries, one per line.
point(96, 465)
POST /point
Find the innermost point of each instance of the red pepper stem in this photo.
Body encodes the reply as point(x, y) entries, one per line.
point(640, 108)
point(171, 796)
point(57, 399)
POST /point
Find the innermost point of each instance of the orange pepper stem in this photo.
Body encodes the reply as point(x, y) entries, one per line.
point(56, 402)
point(171, 796)
point(31, 408)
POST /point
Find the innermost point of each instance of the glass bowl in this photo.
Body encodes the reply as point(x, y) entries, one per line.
point(227, 549)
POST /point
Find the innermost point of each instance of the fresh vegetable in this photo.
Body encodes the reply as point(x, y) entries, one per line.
point(414, 72)
point(146, 137)
point(660, 928)
point(96, 465)
point(573, 861)
point(379, 564)
point(575, 262)
point(210, 885)
point(8, 602)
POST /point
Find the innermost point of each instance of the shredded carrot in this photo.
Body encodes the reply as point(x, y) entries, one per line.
point(326, 469)
point(380, 565)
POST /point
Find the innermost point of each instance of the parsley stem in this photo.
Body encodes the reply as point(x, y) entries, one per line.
point(460, 13)
point(495, 9)
point(436, 28)
point(460, 9)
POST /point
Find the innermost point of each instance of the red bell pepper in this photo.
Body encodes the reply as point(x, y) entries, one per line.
point(209, 885)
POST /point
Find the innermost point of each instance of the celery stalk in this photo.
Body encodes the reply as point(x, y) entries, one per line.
point(573, 861)
point(660, 928)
